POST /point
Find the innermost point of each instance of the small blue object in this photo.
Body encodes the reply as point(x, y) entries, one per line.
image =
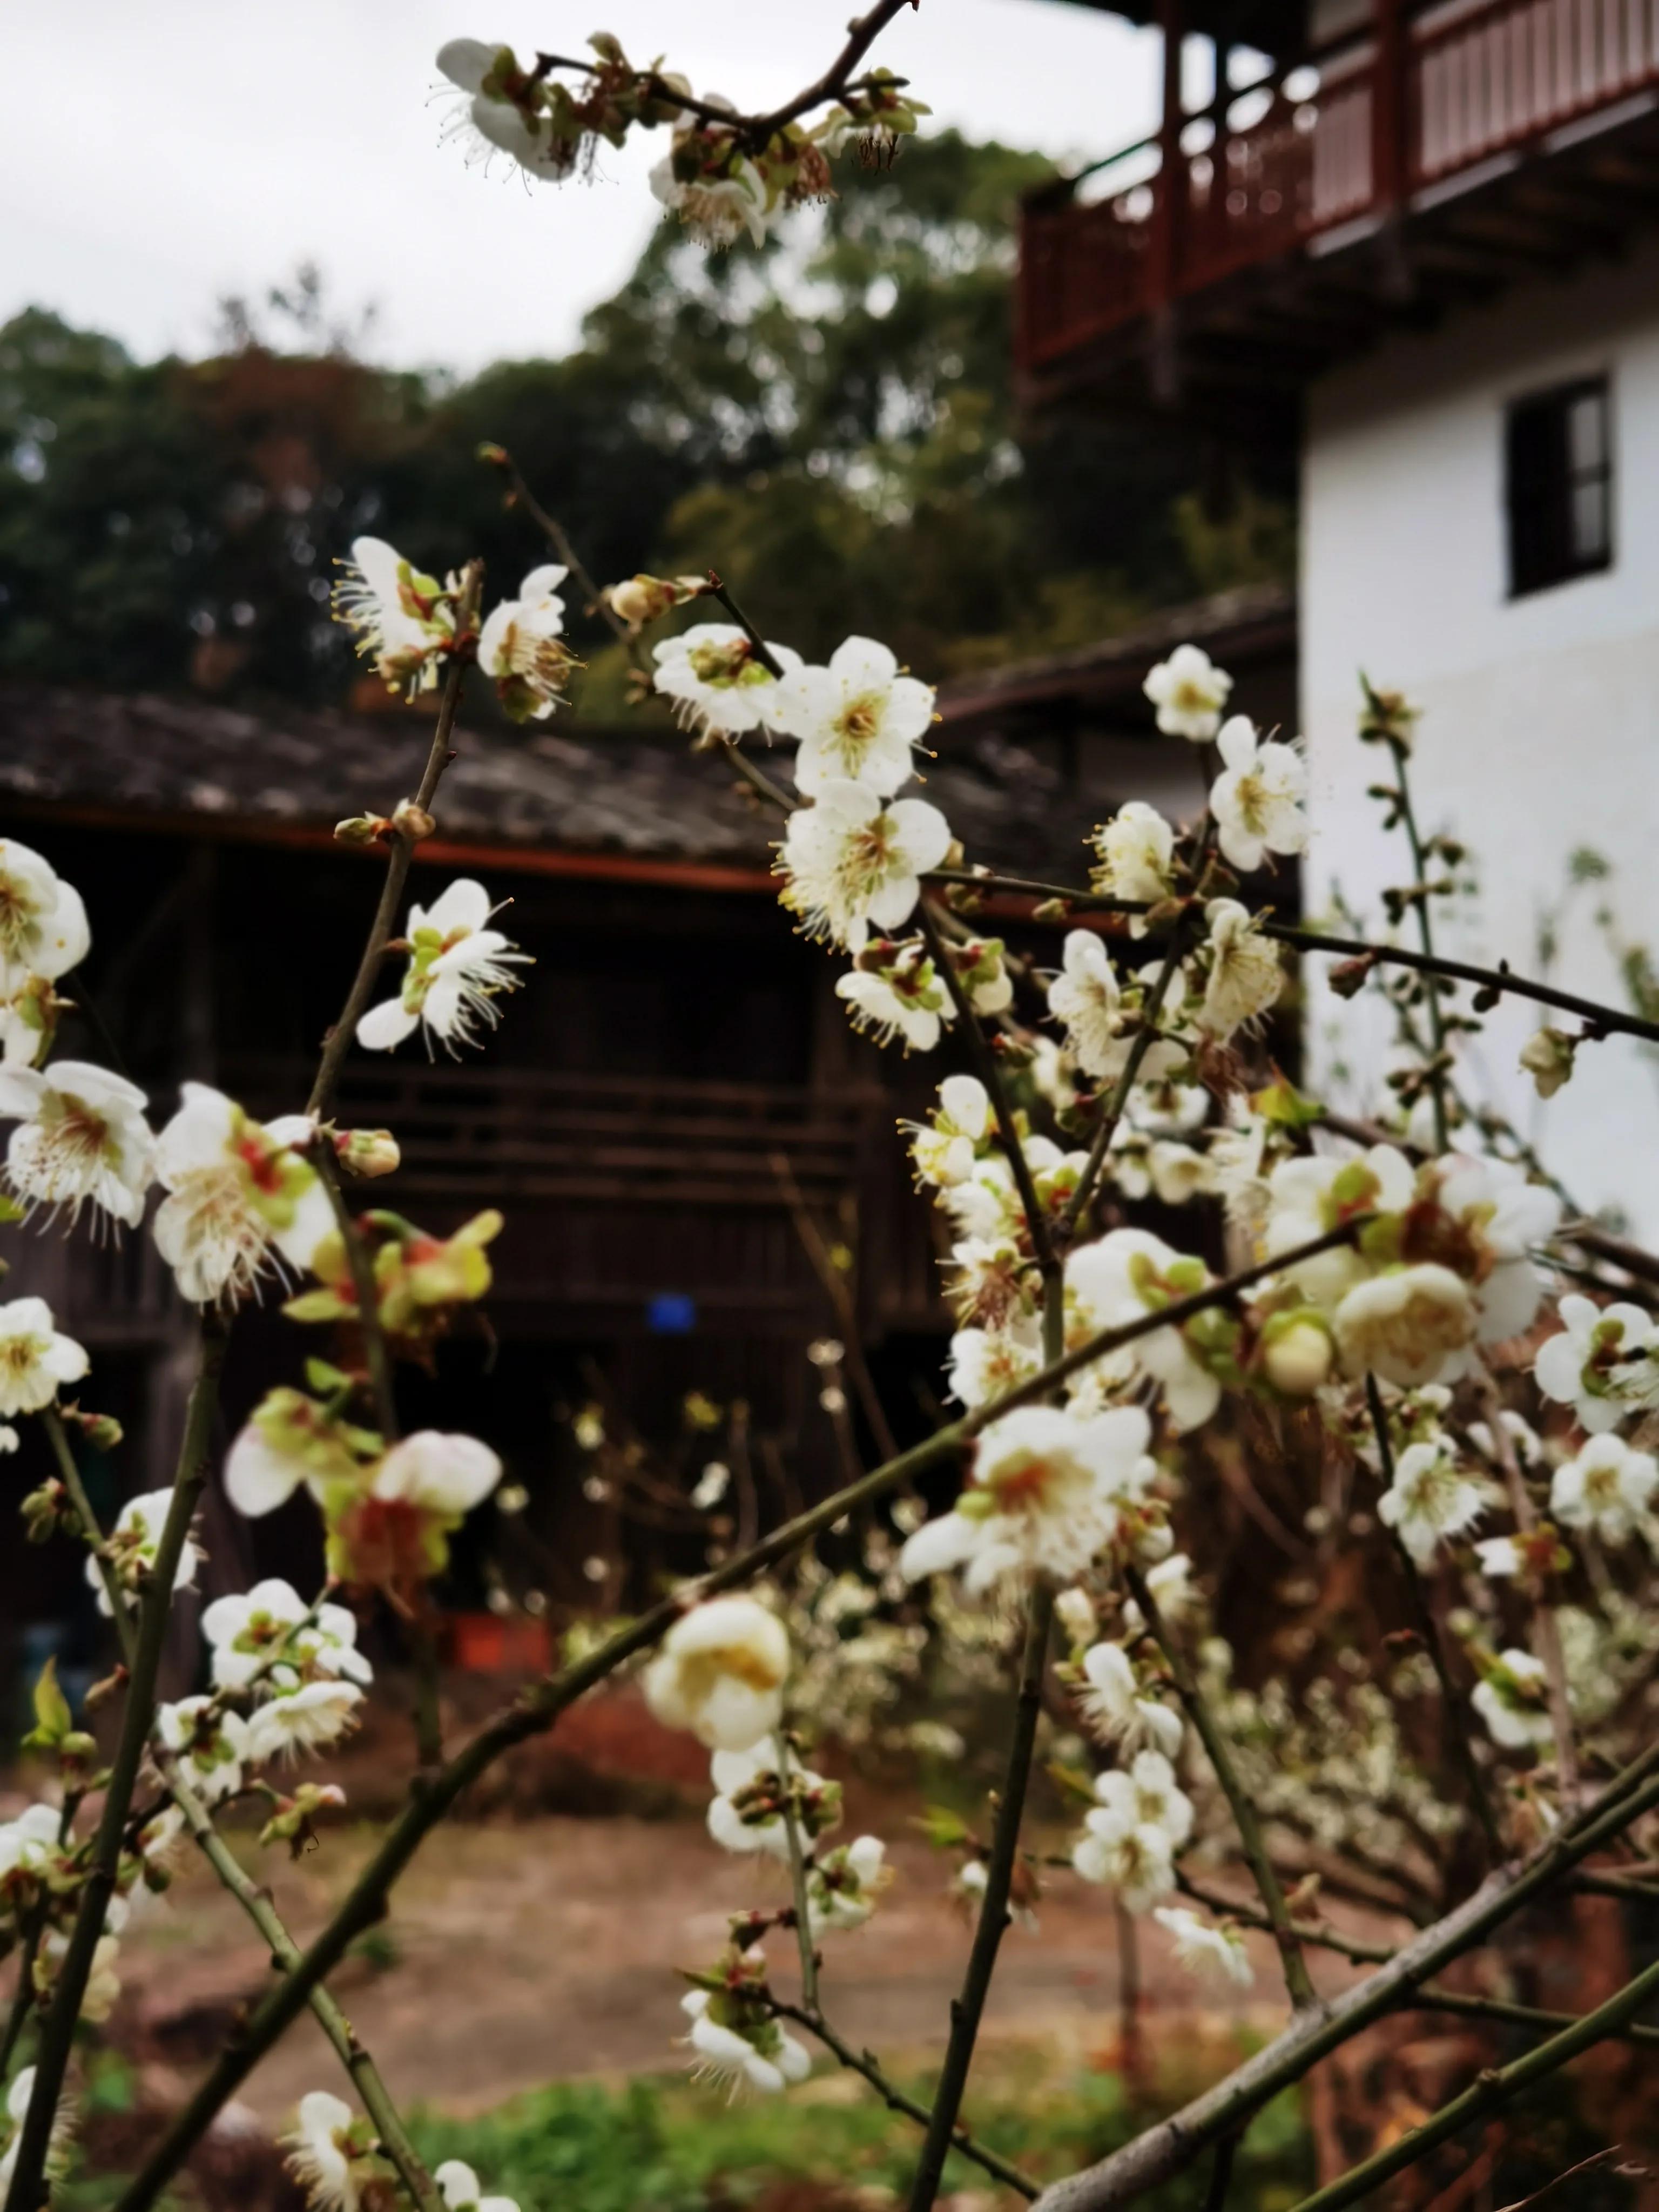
point(670, 1312)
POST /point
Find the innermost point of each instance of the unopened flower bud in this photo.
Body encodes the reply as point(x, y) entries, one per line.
point(640, 599)
point(360, 829)
point(496, 455)
point(1295, 1354)
point(414, 821)
point(101, 1431)
point(1547, 1057)
point(42, 1510)
point(1077, 1617)
point(368, 1153)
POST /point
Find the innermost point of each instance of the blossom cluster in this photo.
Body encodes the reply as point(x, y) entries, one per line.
point(722, 179)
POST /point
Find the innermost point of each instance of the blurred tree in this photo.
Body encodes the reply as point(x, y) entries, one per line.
point(831, 422)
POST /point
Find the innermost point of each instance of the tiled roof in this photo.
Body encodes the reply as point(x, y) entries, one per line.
point(171, 763)
point(1249, 622)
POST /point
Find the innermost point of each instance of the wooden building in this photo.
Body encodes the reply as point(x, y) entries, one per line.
point(1419, 243)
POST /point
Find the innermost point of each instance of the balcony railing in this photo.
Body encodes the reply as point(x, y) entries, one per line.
point(1352, 135)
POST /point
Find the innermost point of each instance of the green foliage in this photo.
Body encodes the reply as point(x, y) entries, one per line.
point(831, 422)
point(653, 2147)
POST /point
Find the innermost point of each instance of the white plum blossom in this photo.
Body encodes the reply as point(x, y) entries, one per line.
point(1604, 1363)
point(858, 720)
point(1257, 800)
point(1116, 1707)
point(209, 1746)
point(842, 1885)
point(1430, 1500)
point(759, 2054)
point(242, 1198)
point(1146, 1793)
point(132, 1543)
point(1244, 973)
point(718, 682)
point(746, 1812)
point(520, 647)
point(404, 621)
point(1500, 1557)
point(1511, 1698)
point(1135, 857)
point(81, 1140)
point(1122, 1277)
point(896, 990)
point(437, 1472)
point(853, 864)
point(1101, 1018)
point(1409, 1325)
point(497, 110)
point(1043, 1498)
point(458, 966)
point(1189, 692)
point(1211, 1952)
point(944, 1150)
point(35, 1360)
point(29, 1845)
point(325, 2147)
point(462, 2191)
point(18, 2097)
point(1504, 1216)
point(1309, 1196)
point(1134, 1858)
point(719, 1672)
point(43, 920)
point(1605, 1487)
point(988, 1363)
point(716, 207)
point(301, 1717)
point(247, 1631)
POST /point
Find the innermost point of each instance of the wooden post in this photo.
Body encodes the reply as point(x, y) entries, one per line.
point(1390, 177)
point(1390, 136)
point(1165, 248)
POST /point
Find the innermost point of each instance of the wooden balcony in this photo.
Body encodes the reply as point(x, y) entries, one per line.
point(1432, 160)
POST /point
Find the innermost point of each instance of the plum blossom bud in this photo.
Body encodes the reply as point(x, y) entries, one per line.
point(413, 821)
point(1077, 1616)
point(360, 829)
point(101, 1431)
point(1548, 1057)
point(368, 1153)
point(1296, 1353)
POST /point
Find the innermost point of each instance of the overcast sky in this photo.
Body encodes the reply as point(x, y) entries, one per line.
point(156, 158)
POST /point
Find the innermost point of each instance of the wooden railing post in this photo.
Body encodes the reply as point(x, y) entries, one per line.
point(1166, 246)
point(1391, 157)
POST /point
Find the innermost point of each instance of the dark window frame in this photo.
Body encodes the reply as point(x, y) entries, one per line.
point(1551, 538)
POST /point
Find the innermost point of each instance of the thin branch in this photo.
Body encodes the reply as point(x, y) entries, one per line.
point(985, 1067)
point(1141, 1045)
point(1296, 1979)
point(861, 34)
point(1493, 2089)
point(1425, 938)
point(1432, 1998)
point(400, 852)
point(763, 651)
point(255, 1902)
point(537, 1707)
point(966, 2012)
point(809, 1954)
point(1168, 2149)
point(1221, 2174)
point(28, 2186)
point(1606, 1018)
point(1252, 1916)
point(1458, 1724)
point(862, 2063)
point(1547, 1634)
point(840, 1297)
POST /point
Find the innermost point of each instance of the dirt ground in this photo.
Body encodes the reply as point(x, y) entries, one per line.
point(519, 1952)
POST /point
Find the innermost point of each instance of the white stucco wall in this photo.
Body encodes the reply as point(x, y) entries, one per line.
point(1541, 726)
